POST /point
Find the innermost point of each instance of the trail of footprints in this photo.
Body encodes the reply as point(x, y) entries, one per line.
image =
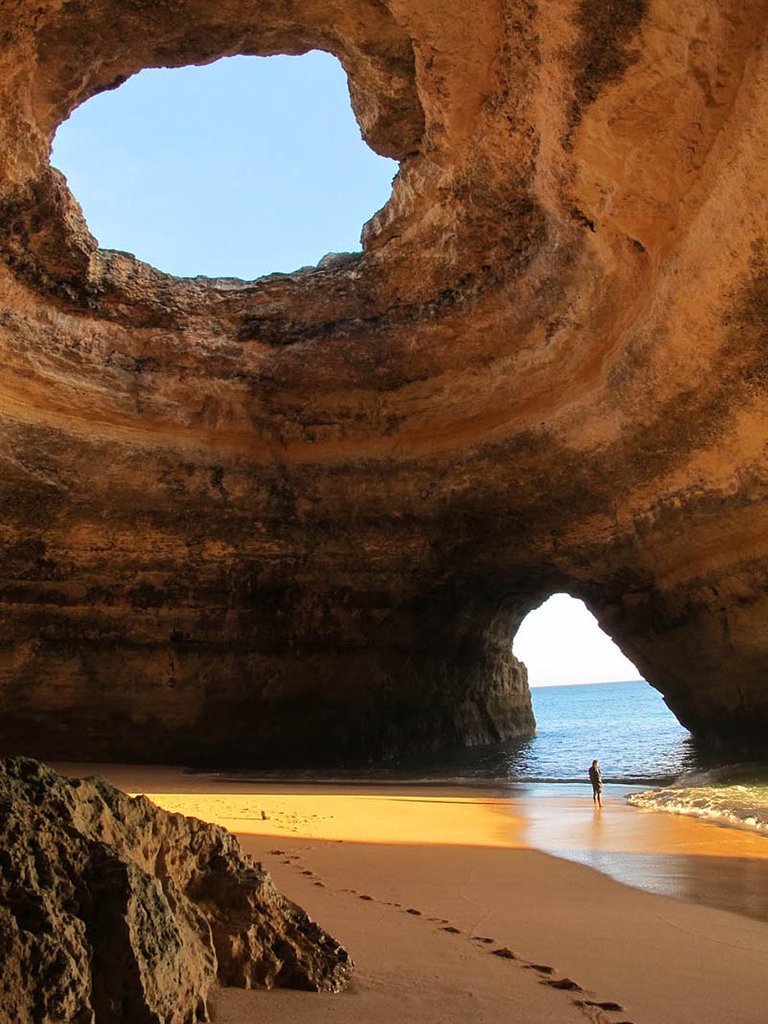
point(596, 1010)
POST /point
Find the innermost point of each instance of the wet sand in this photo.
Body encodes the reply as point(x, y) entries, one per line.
point(672, 855)
point(415, 880)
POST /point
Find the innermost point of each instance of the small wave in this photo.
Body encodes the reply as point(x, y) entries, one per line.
point(738, 806)
point(745, 773)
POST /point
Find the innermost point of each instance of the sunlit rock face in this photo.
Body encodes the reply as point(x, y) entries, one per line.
point(301, 518)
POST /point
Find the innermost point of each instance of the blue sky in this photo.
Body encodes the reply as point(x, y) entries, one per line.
point(240, 168)
point(253, 165)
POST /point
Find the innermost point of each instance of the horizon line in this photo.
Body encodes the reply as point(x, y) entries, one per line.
point(598, 682)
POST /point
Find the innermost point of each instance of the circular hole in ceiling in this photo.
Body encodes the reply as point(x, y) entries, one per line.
point(240, 168)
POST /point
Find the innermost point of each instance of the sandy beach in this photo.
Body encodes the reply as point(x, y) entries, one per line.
point(454, 914)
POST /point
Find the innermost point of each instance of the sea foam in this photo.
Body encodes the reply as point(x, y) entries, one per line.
point(736, 796)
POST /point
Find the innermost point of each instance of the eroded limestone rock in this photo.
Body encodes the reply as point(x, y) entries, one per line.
point(114, 911)
point(301, 518)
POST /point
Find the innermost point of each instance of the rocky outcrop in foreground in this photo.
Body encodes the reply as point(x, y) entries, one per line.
point(114, 911)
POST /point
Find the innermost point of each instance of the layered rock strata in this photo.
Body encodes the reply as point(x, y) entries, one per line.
point(301, 518)
point(114, 911)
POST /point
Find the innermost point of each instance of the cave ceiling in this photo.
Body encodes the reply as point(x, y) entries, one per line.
point(302, 516)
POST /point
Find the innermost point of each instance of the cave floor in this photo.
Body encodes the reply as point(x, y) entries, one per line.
point(428, 887)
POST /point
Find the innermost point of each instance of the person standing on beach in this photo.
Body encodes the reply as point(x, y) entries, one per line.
point(596, 778)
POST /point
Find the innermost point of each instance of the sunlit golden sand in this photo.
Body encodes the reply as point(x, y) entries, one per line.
point(355, 817)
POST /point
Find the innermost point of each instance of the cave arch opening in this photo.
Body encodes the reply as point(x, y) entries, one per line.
point(239, 168)
point(590, 701)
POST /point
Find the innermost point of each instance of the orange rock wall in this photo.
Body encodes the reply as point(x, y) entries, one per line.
point(301, 518)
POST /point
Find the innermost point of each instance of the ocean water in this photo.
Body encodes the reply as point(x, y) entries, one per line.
point(627, 726)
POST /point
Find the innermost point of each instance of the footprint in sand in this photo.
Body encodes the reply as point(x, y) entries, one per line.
point(608, 1004)
point(505, 953)
point(564, 983)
